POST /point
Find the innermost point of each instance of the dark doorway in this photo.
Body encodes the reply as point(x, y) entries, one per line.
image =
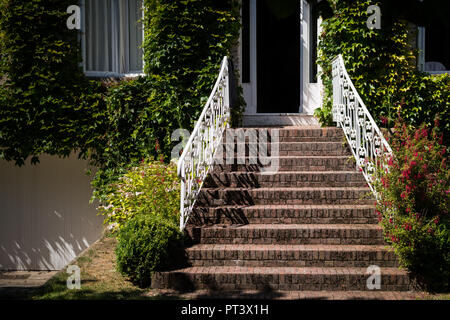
point(278, 52)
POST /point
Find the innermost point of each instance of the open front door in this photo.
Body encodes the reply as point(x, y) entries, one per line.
point(278, 56)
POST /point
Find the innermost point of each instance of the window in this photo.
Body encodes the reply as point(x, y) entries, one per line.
point(112, 37)
point(434, 46)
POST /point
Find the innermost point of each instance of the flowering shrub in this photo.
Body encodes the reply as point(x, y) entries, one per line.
point(150, 188)
point(414, 191)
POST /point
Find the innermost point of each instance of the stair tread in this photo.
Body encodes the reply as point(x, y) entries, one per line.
point(295, 206)
point(289, 247)
point(288, 188)
point(299, 157)
point(297, 226)
point(330, 271)
point(294, 172)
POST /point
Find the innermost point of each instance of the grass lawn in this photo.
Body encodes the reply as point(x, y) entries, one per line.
point(99, 280)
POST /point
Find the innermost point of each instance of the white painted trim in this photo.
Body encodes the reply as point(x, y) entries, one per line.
point(103, 74)
point(438, 72)
point(250, 89)
point(421, 47)
point(303, 5)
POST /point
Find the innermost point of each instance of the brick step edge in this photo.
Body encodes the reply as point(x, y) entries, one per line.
point(285, 179)
point(283, 214)
point(284, 195)
point(282, 278)
point(298, 295)
point(291, 256)
point(362, 234)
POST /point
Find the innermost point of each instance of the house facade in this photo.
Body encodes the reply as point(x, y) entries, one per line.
point(281, 85)
point(276, 55)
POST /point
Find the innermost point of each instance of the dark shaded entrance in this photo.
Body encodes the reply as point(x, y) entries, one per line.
point(278, 52)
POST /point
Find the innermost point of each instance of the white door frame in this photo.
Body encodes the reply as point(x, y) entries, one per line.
point(250, 89)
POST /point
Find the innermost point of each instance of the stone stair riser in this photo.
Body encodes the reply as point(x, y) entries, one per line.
point(206, 216)
point(236, 235)
point(301, 282)
point(290, 258)
point(255, 180)
point(219, 197)
point(284, 149)
point(321, 163)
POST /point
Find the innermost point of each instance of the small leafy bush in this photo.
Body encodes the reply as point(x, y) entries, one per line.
point(150, 188)
point(414, 202)
point(147, 243)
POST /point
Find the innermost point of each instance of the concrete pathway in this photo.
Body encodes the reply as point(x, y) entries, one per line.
point(24, 279)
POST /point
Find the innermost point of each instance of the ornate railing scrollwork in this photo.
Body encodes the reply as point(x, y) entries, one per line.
point(198, 154)
point(362, 133)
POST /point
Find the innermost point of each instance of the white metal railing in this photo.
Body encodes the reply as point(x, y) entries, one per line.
point(198, 154)
point(366, 140)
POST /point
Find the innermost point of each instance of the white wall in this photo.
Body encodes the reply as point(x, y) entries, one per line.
point(46, 219)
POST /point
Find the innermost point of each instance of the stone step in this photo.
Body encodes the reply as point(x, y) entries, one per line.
point(284, 214)
point(251, 255)
point(253, 149)
point(365, 234)
point(284, 135)
point(278, 278)
point(285, 179)
point(267, 196)
point(286, 163)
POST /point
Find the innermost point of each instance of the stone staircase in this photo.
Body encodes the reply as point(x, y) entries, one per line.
point(310, 226)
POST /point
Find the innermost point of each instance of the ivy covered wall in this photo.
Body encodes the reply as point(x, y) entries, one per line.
point(48, 106)
point(44, 106)
point(382, 62)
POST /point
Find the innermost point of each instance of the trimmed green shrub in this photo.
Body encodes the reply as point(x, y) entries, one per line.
point(147, 243)
point(152, 187)
point(414, 204)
